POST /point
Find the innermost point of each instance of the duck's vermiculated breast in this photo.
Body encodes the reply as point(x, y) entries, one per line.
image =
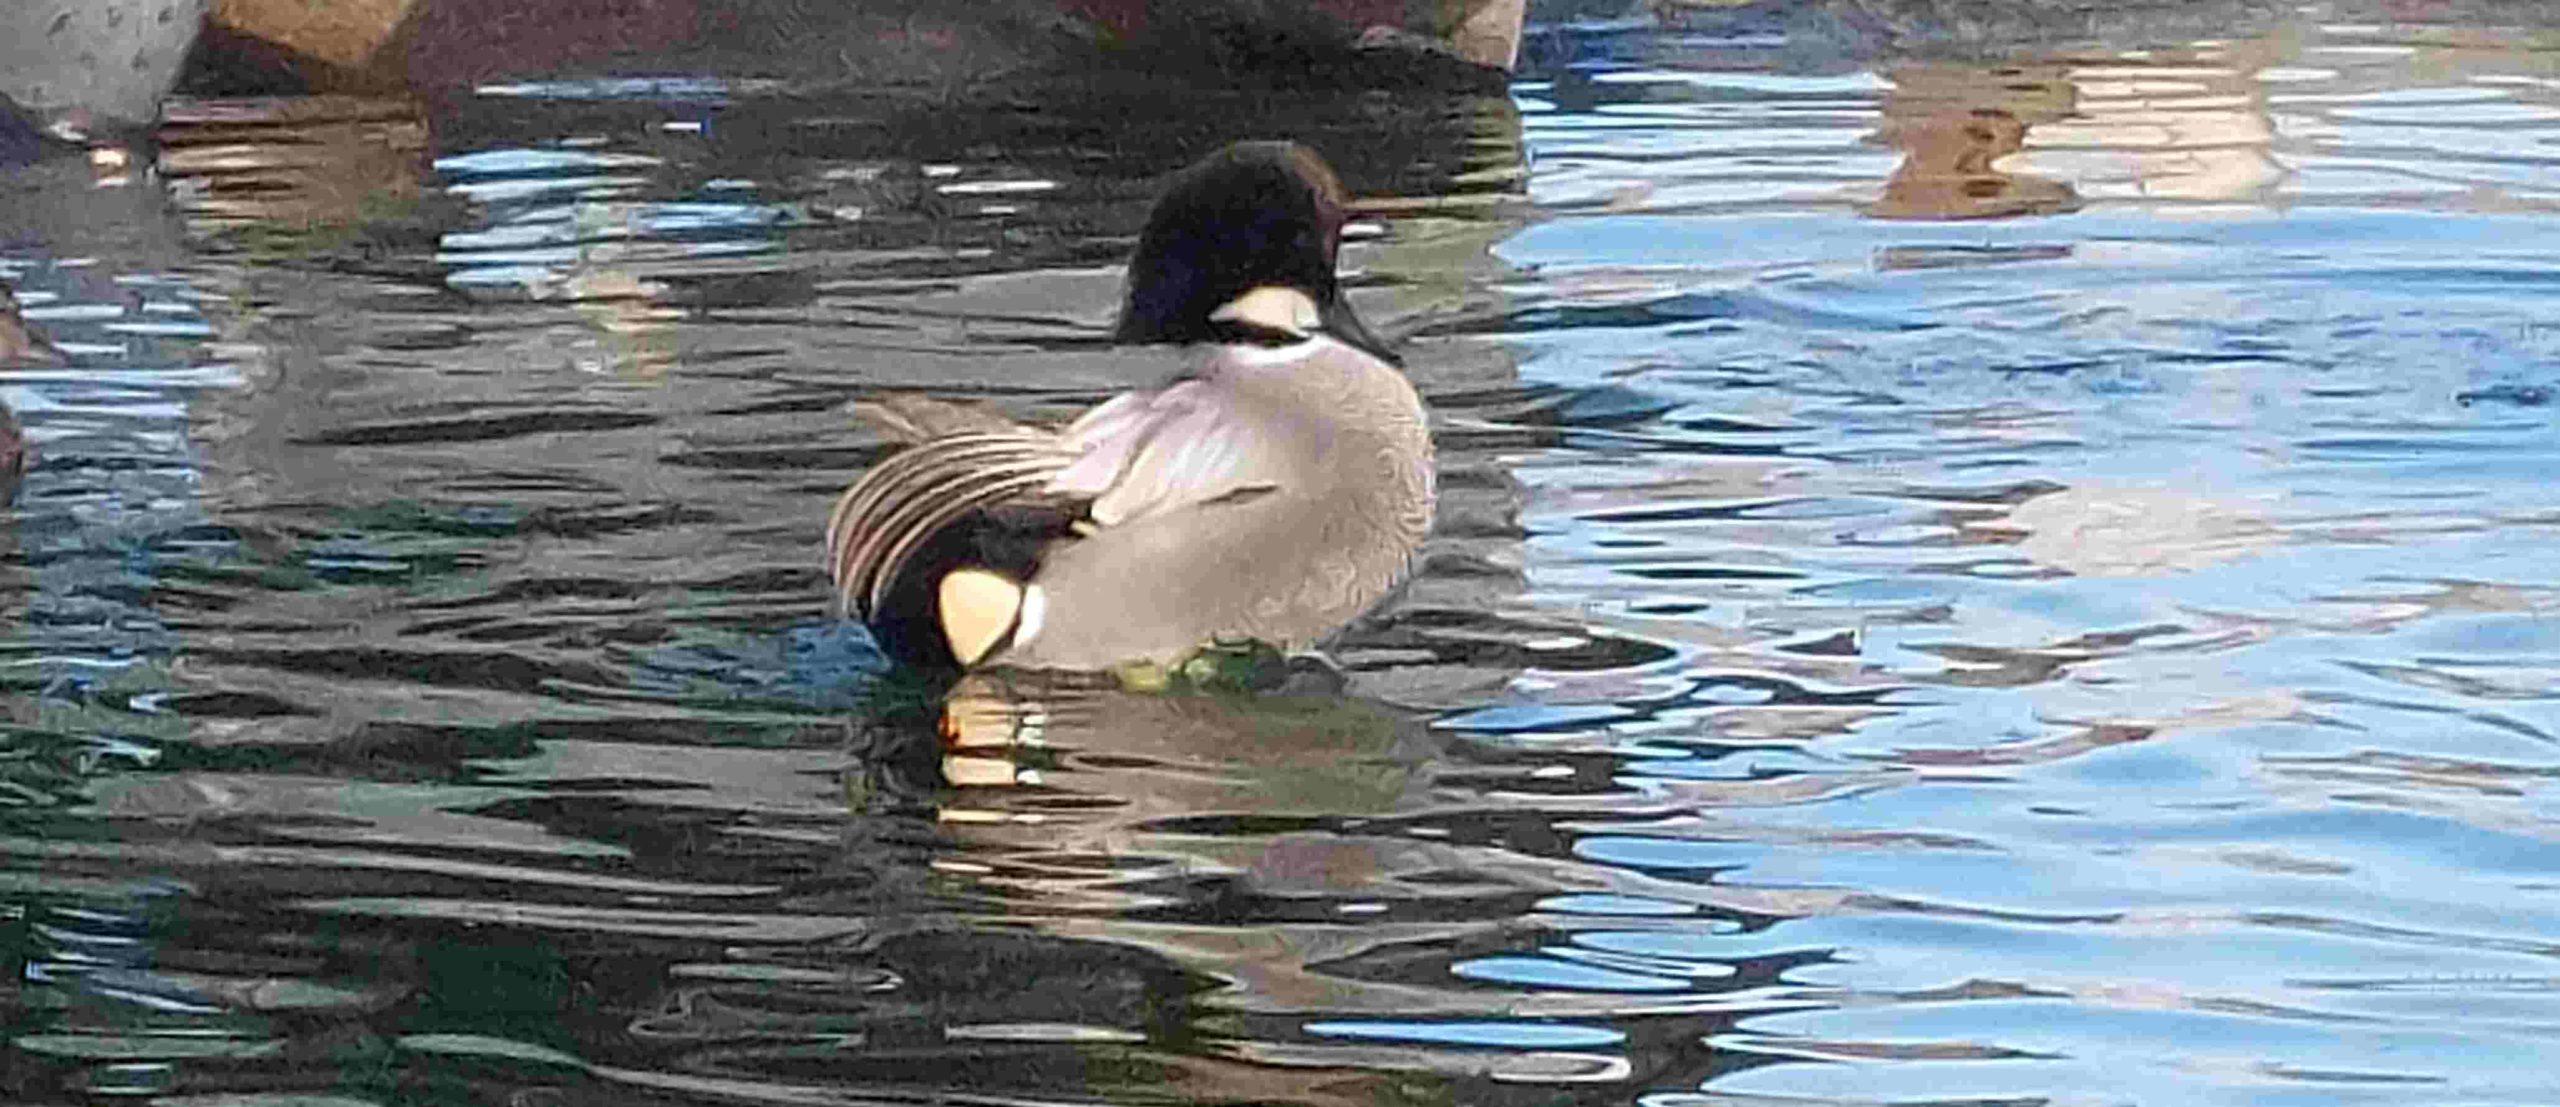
point(1379, 505)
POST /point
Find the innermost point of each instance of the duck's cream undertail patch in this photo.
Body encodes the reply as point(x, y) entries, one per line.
point(1274, 308)
point(978, 610)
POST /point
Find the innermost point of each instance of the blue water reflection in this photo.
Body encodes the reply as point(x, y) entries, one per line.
point(1958, 580)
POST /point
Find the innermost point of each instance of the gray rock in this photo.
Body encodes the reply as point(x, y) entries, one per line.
point(94, 62)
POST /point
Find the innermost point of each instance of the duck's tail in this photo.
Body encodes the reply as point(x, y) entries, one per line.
point(918, 492)
point(937, 526)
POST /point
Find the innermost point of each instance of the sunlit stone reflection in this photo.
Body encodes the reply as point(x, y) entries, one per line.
point(2136, 530)
point(293, 175)
point(1959, 128)
point(2188, 125)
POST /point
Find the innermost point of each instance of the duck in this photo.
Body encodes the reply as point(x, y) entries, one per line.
point(1271, 491)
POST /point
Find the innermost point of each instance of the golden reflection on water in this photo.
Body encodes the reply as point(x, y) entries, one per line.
point(2035, 137)
point(293, 174)
point(1959, 127)
point(2327, 114)
point(2209, 122)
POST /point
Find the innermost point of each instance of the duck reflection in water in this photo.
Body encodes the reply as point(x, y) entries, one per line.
point(1273, 491)
point(1063, 763)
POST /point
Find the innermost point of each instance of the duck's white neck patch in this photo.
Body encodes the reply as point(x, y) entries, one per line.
point(1258, 356)
point(1273, 308)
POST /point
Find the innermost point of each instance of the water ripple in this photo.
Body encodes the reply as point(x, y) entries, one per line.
point(2001, 577)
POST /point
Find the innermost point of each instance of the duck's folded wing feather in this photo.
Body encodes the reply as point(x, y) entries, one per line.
point(1145, 453)
point(1138, 455)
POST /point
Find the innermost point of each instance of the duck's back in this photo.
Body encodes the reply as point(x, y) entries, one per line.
point(1328, 458)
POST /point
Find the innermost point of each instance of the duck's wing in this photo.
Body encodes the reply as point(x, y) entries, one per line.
point(1137, 455)
point(1191, 443)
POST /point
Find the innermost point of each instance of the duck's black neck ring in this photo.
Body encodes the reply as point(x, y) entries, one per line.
point(1236, 333)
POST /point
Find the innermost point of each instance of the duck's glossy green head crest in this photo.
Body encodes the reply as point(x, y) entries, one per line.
point(1254, 215)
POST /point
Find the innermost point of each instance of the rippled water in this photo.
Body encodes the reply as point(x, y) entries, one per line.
point(2014, 580)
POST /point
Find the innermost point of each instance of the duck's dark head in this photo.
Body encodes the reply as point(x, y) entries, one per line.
point(1241, 248)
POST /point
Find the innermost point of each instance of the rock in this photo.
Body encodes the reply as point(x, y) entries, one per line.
point(110, 60)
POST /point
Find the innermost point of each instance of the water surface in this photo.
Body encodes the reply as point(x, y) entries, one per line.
point(1965, 577)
